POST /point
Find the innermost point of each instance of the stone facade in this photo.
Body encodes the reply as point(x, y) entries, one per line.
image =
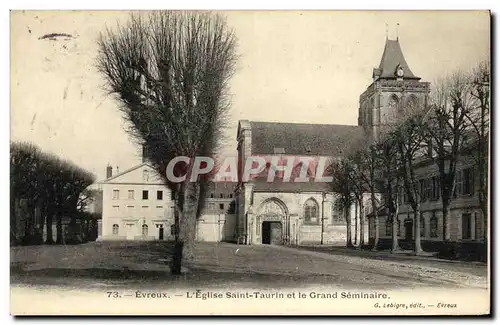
point(286, 204)
point(128, 213)
point(465, 222)
point(136, 206)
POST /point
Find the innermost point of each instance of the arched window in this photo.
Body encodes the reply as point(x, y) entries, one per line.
point(338, 212)
point(422, 226)
point(433, 225)
point(311, 212)
point(115, 229)
point(412, 103)
point(393, 108)
point(144, 230)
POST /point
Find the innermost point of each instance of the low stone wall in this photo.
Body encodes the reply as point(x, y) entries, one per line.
point(466, 251)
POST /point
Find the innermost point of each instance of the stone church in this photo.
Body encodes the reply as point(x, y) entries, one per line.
point(306, 213)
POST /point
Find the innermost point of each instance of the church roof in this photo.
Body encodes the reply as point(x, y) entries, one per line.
point(304, 139)
point(262, 185)
point(392, 58)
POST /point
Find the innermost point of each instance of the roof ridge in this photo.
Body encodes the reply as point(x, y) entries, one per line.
point(126, 171)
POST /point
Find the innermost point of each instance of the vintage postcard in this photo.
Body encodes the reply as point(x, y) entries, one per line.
point(250, 163)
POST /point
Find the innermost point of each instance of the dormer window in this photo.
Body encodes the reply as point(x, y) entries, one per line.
point(278, 150)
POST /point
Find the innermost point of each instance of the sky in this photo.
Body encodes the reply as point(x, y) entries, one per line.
point(307, 67)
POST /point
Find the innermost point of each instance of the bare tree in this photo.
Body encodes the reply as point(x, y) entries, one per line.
point(343, 186)
point(358, 178)
point(170, 72)
point(448, 128)
point(410, 137)
point(479, 119)
point(390, 174)
point(367, 162)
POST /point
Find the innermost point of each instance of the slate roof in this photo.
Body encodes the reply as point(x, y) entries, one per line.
point(304, 139)
point(391, 59)
point(261, 185)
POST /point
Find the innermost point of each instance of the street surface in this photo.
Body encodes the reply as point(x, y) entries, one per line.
point(145, 264)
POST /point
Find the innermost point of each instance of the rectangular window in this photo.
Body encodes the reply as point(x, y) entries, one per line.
point(435, 188)
point(172, 195)
point(421, 187)
point(388, 228)
point(466, 226)
point(428, 188)
point(211, 206)
point(145, 194)
point(467, 182)
point(130, 194)
point(159, 195)
point(433, 226)
point(221, 206)
point(116, 194)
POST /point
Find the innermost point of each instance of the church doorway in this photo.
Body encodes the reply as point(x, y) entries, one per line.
point(272, 233)
point(160, 232)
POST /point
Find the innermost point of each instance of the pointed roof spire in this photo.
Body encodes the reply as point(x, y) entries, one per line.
point(392, 59)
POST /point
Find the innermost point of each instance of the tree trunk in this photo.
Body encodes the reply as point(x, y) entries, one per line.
point(395, 242)
point(188, 222)
point(355, 224)
point(185, 226)
point(446, 212)
point(418, 244)
point(176, 263)
point(349, 228)
point(395, 228)
point(50, 221)
point(376, 225)
point(59, 231)
point(361, 224)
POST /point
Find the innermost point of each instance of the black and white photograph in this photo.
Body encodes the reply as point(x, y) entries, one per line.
point(250, 162)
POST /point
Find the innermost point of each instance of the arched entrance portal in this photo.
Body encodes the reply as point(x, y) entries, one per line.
point(271, 225)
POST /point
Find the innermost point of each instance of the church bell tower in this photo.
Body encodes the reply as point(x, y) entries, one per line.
point(395, 92)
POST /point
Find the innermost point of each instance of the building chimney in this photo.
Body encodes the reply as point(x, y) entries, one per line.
point(109, 171)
